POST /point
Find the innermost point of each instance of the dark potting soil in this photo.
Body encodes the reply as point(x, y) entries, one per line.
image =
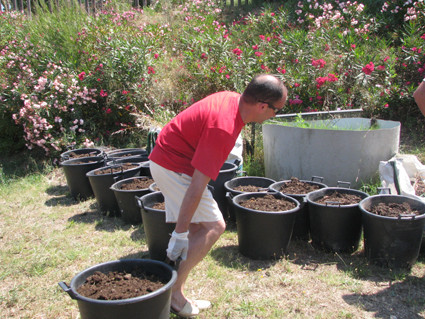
point(249, 189)
point(268, 203)
point(340, 198)
point(116, 285)
point(419, 187)
point(85, 162)
point(138, 183)
point(116, 169)
point(295, 186)
point(393, 209)
point(159, 206)
point(81, 155)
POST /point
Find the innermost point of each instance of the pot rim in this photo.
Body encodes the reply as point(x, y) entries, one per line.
point(91, 173)
point(141, 199)
point(327, 189)
point(116, 186)
point(150, 295)
point(69, 162)
point(230, 189)
point(257, 194)
point(233, 167)
point(399, 197)
point(322, 185)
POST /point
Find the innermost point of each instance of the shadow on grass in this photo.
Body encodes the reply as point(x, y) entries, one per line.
point(405, 299)
point(106, 223)
point(230, 257)
point(143, 254)
point(62, 197)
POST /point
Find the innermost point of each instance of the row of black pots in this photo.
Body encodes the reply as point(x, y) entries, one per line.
point(75, 169)
point(395, 242)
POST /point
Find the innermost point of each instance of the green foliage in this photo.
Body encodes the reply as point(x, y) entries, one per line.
point(68, 77)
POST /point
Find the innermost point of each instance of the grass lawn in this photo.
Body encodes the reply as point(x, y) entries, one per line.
point(48, 237)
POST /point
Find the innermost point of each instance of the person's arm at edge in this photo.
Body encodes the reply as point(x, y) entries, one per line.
point(191, 200)
point(419, 96)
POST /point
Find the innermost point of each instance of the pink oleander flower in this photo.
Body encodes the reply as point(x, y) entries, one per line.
point(156, 56)
point(262, 37)
point(204, 56)
point(108, 111)
point(103, 93)
point(320, 63)
point(151, 70)
point(258, 53)
point(82, 75)
point(380, 67)
point(281, 70)
point(255, 47)
point(369, 68)
point(237, 51)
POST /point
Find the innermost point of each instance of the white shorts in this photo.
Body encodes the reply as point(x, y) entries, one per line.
point(173, 186)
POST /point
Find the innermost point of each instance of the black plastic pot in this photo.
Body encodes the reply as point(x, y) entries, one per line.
point(335, 227)
point(75, 171)
point(389, 241)
point(302, 220)
point(126, 199)
point(157, 231)
point(102, 183)
point(261, 234)
point(262, 183)
point(227, 172)
point(88, 152)
point(145, 169)
point(154, 305)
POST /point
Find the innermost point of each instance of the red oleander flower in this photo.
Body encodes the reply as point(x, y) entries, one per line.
point(369, 68)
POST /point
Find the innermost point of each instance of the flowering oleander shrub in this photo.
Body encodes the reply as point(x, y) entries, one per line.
point(72, 78)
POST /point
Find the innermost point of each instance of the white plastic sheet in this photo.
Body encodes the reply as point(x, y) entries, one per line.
point(400, 173)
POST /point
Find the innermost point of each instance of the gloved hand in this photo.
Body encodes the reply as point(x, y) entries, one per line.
point(178, 246)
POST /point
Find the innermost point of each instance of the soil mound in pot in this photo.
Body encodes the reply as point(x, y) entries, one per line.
point(393, 209)
point(116, 285)
point(295, 186)
point(341, 198)
point(116, 169)
point(268, 203)
point(139, 183)
point(81, 155)
point(249, 189)
point(419, 187)
point(159, 206)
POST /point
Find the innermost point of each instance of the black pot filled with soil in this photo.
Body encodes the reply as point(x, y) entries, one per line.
point(126, 191)
point(299, 189)
point(392, 226)
point(227, 172)
point(264, 223)
point(101, 179)
point(242, 185)
point(134, 288)
point(335, 218)
point(81, 152)
point(157, 231)
point(75, 171)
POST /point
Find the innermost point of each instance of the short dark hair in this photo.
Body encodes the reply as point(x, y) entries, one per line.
point(264, 87)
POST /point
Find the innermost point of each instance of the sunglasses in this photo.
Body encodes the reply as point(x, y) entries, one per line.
point(274, 108)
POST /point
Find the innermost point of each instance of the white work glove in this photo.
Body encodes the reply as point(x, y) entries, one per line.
point(177, 246)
